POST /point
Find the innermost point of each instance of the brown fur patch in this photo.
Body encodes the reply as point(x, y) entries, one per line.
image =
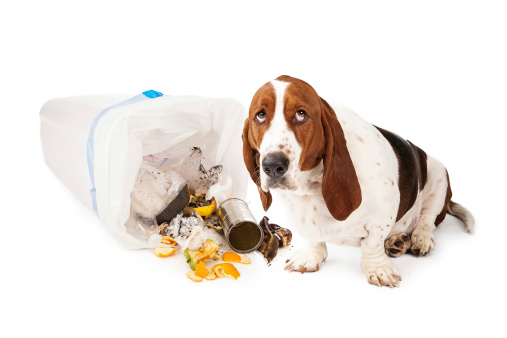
point(340, 185)
point(412, 170)
point(299, 95)
point(423, 163)
point(264, 99)
point(321, 138)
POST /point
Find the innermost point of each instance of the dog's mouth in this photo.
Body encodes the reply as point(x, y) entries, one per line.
point(279, 183)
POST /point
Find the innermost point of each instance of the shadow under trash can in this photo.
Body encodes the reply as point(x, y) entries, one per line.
point(128, 158)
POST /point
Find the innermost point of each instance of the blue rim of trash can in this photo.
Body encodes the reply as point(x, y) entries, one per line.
point(90, 152)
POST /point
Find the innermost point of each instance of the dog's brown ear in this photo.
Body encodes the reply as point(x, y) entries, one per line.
point(251, 157)
point(340, 186)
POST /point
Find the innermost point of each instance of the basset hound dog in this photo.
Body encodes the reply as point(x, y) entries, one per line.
point(344, 180)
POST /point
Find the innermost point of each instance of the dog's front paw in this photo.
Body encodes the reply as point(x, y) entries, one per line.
point(422, 240)
point(383, 274)
point(308, 260)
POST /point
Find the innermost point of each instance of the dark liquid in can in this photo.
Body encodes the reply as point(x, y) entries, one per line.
point(245, 236)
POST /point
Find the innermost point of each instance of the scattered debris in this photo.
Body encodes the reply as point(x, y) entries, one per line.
point(235, 258)
point(210, 251)
point(226, 270)
point(198, 200)
point(187, 229)
point(181, 226)
point(274, 237)
point(164, 251)
point(213, 222)
point(173, 197)
point(201, 205)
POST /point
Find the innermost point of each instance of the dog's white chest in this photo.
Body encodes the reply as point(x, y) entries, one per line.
point(310, 218)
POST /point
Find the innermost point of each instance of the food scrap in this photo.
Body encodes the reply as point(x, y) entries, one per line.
point(200, 270)
point(235, 258)
point(219, 270)
point(274, 237)
point(226, 270)
point(210, 251)
point(168, 240)
point(194, 277)
point(202, 206)
point(211, 275)
point(213, 222)
point(164, 251)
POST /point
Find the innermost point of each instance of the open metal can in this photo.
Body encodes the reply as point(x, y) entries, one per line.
point(240, 228)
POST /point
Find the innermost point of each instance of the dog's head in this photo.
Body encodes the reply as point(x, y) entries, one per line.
point(290, 131)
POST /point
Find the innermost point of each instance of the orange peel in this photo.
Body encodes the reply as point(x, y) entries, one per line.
point(191, 275)
point(164, 251)
point(200, 270)
point(168, 240)
point(235, 258)
point(226, 270)
point(211, 275)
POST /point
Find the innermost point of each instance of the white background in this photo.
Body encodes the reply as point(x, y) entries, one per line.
point(433, 71)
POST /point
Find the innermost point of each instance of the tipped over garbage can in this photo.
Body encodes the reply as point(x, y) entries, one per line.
point(129, 158)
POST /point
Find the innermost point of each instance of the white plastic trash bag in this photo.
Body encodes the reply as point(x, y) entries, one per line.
point(117, 131)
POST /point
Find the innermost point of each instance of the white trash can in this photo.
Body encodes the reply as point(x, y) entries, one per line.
point(95, 145)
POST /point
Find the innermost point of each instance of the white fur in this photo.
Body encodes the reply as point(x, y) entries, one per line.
point(278, 135)
point(369, 225)
point(462, 213)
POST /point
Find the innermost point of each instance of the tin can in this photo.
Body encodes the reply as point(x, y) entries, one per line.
point(240, 228)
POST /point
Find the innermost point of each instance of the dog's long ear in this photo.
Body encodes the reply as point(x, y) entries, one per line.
point(340, 186)
point(251, 157)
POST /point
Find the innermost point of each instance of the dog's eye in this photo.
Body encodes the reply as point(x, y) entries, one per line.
point(261, 116)
point(300, 116)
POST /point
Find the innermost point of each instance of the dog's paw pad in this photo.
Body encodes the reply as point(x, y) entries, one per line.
point(397, 245)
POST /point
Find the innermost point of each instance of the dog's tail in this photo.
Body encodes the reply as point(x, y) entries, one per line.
point(463, 214)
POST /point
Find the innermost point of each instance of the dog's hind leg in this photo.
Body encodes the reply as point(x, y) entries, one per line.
point(397, 244)
point(436, 197)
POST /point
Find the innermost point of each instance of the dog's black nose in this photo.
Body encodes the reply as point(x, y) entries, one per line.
point(275, 165)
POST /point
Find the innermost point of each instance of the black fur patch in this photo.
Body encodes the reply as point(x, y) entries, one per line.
point(412, 167)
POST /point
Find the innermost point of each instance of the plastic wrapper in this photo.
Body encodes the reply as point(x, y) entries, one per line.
point(153, 191)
